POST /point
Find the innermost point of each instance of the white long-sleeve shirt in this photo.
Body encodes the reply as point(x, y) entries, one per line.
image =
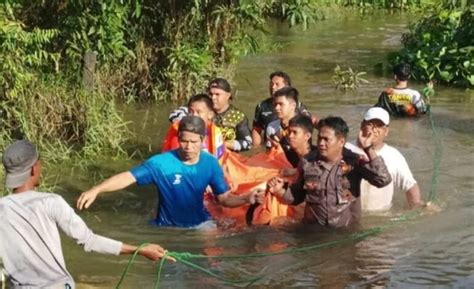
point(30, 245)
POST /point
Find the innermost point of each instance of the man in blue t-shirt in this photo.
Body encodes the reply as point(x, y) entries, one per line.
point(181, 177)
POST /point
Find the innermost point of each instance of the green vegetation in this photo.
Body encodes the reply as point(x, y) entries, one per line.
point(161, 51)
point(440, 46)
point(348, 78)
point(145, 51)
point(384, 4)
point(37, 102)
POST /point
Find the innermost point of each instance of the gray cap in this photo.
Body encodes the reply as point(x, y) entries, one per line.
point(18, 159)
point(194, 124)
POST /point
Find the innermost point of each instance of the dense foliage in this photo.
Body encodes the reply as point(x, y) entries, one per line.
point(162, 51)
point(145, 50)
point(440, 46)
point(38, 104)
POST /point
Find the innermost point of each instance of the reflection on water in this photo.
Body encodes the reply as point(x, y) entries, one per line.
point(432, 251)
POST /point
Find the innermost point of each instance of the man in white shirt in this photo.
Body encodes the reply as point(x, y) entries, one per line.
point(376, 121)
point(30, 244)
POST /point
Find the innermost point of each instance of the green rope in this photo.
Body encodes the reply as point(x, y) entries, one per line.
point(130, 261)
point(184, 257)
point(437, 159)
point(162, 264)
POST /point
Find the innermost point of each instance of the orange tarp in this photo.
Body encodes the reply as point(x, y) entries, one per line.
point(244, 173)
point(247, 173)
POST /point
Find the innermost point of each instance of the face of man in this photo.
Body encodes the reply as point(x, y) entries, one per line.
point(199, 108)
point(329, 145)
point(189, 146)
point(220, 99)
point(284, 108)
point(378, 129)
point(297, 137)
point(276, 83)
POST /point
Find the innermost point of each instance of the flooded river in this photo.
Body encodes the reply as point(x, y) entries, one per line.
point(430, 251)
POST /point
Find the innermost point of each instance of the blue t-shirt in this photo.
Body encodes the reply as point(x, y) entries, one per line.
point(181, 187)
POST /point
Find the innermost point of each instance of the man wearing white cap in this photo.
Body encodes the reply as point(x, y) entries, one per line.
point(30, 244)
point(376, 121)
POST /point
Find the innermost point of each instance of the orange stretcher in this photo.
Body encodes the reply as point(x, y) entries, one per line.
point(243, 174)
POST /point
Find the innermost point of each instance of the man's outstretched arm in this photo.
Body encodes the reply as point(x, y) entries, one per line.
point(229, 199)
point(111, 184)
point(153, 252)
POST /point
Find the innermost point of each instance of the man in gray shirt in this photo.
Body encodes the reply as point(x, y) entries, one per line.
point(30, 245)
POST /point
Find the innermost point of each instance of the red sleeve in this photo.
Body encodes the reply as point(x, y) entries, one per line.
point(171, 139)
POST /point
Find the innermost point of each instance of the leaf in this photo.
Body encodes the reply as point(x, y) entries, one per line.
point(446, 75)
point(470, 78)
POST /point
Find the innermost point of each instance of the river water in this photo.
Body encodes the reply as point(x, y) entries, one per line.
point(431, 251)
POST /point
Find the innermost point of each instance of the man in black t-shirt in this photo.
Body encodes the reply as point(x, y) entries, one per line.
point(265, 110)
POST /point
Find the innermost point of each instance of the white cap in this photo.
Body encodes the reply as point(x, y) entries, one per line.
point(377, 113)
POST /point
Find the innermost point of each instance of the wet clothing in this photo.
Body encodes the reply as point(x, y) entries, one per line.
point(265, 113)
point(331, 191)
point(234, 126)
point(30, 244)
point(275, 128)
point(380, 199)
point(213, 142)
point(181, 186)
point(402, 102)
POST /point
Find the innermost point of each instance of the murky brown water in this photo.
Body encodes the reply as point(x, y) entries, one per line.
point(432, 251)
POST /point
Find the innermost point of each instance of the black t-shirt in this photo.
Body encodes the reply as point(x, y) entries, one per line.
point(265, 113)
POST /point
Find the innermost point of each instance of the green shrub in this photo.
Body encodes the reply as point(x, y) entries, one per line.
point(440, 46)
point(38, 104)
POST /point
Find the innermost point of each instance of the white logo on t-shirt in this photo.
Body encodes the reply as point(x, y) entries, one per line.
point(177, 179)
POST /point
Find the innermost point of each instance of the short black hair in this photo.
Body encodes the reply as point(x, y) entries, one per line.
point(283, 75)
point(302, 121)
point(337, 124)
point(203, 98)
point(193, 124)
point(402, 71)
point(288, 92)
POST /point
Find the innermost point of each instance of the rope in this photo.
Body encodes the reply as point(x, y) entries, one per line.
point(130, 261)
point(185, 257)
point(436, 161)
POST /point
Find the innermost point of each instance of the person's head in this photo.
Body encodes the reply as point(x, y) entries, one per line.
point(220, 93)
point(402, 72)
point(278, 79)
point(332, 136)
point(285, 101)
point(201, 105)
point(191, 131)
point(300, 130)
point(376, 121)
point(22, 165)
